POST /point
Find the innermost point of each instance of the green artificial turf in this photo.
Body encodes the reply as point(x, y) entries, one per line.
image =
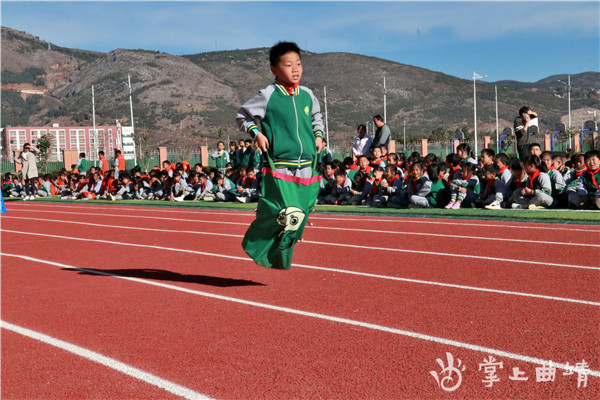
point(561, 216)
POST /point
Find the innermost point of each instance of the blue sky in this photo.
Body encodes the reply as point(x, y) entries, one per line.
point(524, 41)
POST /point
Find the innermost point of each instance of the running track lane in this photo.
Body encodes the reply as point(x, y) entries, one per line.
point(234, 351)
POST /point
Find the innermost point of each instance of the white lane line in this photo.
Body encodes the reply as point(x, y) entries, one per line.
point(364, 231)
point(352, 246)
point(381, 328)
point(319, 216)
point(349, 272)
point(126, 369)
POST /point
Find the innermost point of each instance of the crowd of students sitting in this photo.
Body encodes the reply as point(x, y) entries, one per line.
point(542, 180)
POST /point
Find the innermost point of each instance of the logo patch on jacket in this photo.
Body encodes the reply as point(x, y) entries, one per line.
point(306, 110)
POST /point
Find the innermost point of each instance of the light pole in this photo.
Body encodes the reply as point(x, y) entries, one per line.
point(404, 129)
point(497, 144)
point(384, 100)
point(568, 85)
point(326, 118)
point(475, 77)
point(128, 84)
point(94, 123)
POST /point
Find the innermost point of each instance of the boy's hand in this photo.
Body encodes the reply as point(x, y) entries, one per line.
point(319, 143)
point(262, 141)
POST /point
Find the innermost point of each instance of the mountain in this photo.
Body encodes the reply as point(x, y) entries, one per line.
point(180, 100)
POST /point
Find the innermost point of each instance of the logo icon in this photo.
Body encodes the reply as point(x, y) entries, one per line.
point(306, 110)
point(451, 375)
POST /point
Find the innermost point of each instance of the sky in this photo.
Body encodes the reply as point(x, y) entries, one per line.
point(509, 40)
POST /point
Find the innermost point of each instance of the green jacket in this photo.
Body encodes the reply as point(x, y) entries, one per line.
point(290, 122)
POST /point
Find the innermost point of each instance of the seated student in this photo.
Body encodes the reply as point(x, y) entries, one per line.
point(248, 192)
point(166, 166)
point(556, 178)
point(487, 156)
point(61, 180)
point(350, 167)
point(413, 183)
point(464, 152)
point(192, 187)
point(587, 194)
point(18, 189)
point(93, 188)
point(341, 189)
point(572, 176)
point(362, 189)
point(156, 187)
point(70, 190)
point(453, 164)
point(502, 162)
point(176, 187)
point(205, 190)
point(327, 183)
point(384, 152)
point(7, 184)
point(537, 193)
point(431, 192)
point(364, 165)
point(535, 149)
point(377, 158)
point(390, 186)
point(223, 188)
point(401, 163)
point(394, 159)
point(126, 191)
point(375, 183)
point(463, 190)
point(325, 154)
point(518, 180)
point(559, 165)
point(74, 169)
point(429, 159)
point(49, 186)
point(495, 191)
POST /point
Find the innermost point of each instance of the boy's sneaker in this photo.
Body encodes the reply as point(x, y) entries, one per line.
point(178, 198)
point(32, 197)
point(517, 206)
point(208, 198)
point(111, 197)
point(536, 207)
point(450, 205)
point(456, 205)
point(598, 201)
point(25, 198)
point(494, 205)
point(242, 199)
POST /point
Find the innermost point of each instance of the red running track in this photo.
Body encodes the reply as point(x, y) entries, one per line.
point(223, 348)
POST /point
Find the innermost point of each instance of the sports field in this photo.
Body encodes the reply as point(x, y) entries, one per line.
point(105, 301)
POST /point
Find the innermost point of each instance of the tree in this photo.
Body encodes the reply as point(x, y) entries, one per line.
point(44, 143)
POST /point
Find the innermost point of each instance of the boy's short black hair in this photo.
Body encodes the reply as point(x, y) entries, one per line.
point(590, 154)
point(100, 153)
point(280, 49)
point(82, 155)
point(532, 145)
point(488, 152)
point(492, 169)
point(392, 168)
point(503, 157)
point(467, 166)
point(453, 159)
point(339, 172)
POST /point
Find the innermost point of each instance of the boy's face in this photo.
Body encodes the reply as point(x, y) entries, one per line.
point(248, 144)
point(289, 69)
point(220, 146)
point(232, 146)
point(376, 152)
point(465, 173)
point(486, 159)
point(389, 174)
point(329, 170)
point(580, 164)
point(557, 162)
point(251, 174)
point(378, 174)
point(547, 159)
point(416, 171)
point(536, 151)
point(340, 179)
point(499, 163)
point(592, 163)
point(490, 176)
point(242, 144)
point(530, 169)
point(363, 162)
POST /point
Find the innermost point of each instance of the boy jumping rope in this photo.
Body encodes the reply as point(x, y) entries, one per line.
point(285, 121)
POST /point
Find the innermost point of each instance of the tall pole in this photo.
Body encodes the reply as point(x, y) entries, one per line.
point(128, 83)
point(384, 100)
point(326, 117)
point(94, 122)
point(475, 77)
point(497, 145)
point(569, 94)
point(404, 144)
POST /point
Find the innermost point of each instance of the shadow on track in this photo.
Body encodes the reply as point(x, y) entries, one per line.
point(163, 275)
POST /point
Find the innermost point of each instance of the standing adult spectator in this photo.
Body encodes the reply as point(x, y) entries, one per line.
point(29, 170)
point(522, 126)
point(362, 143)
point(382, 133)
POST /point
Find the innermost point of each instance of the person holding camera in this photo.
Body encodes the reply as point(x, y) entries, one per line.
point(29, 171)
point(522, 125)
